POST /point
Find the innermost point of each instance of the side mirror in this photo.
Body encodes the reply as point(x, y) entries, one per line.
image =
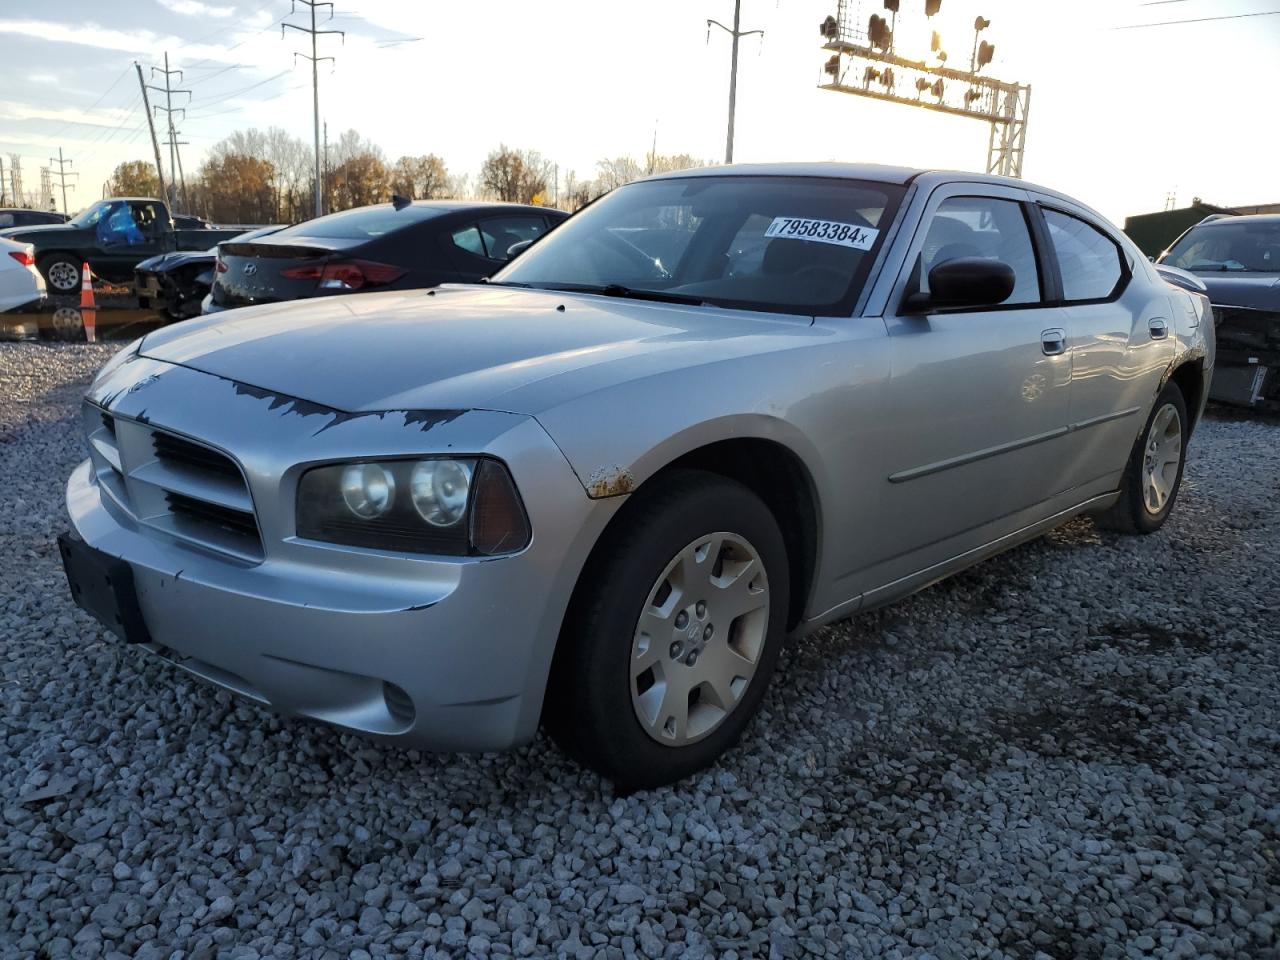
point(964, 282)
point(516, 249)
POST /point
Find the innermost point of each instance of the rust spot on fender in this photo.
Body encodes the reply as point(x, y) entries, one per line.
point(611, 481)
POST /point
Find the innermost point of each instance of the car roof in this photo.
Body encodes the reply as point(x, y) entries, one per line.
point(1241, 218)
point(876, 172)
point(451, 206)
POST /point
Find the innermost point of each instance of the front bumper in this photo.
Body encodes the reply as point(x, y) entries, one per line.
point(442, 654)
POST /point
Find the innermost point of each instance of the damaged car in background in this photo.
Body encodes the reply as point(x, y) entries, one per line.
point(712, 410)
point(177, 283)
point(1237, 258)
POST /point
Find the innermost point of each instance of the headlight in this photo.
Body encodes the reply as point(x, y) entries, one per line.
point(367, 490)
point(117, 361)
point(440, 489)
point(441, 505)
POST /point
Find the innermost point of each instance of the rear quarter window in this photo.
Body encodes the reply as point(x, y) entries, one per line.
point(1089, 261)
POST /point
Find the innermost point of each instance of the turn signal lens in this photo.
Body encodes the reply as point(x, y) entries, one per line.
point(498, 521)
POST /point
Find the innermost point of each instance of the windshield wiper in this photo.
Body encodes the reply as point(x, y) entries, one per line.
point(626, 293)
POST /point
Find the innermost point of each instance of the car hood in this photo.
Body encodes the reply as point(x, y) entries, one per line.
point(168, 261)
point(24, 233)
point(463, 347)
point(1261, 291)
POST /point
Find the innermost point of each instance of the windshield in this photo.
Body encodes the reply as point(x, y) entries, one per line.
point(1240, 246)
point(779, 244)
point(91, 215)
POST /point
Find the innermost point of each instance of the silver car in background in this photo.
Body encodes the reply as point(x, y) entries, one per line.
point(713, 409)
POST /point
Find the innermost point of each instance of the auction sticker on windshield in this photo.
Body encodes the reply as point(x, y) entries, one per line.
point(823, 231)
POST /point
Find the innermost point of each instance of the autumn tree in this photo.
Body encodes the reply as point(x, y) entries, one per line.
point(356, 174)
point(516, 176)
point(134, 178)
point(291, 161)
point(236, 188)
point(420, 178)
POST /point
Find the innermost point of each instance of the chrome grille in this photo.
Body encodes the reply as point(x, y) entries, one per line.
point(173, 484)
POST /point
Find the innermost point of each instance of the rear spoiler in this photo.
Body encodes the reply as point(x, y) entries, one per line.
point(1181, 278)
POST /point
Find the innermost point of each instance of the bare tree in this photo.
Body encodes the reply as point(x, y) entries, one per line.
point(420, 178)
point(516, 176)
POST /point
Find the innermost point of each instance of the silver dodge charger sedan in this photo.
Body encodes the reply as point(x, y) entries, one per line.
point(713, 410)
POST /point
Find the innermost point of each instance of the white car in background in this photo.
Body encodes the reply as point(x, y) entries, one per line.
point(20, 283)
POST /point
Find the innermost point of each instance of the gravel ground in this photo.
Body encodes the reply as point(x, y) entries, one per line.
point(1070, 751)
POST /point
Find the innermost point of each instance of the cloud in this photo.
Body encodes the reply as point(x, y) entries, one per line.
point(134, 42)
point(194, 8)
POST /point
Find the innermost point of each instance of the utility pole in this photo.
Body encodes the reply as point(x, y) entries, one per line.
point(155, 144)
point(325, 178)
point(169, 110)
point(62, 176)
point(737, 34)
point(315, 73)
point(2, 196)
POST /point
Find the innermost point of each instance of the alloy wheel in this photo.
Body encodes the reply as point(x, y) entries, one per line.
point(1161, 459)
point(699, 639)
point(64, 276)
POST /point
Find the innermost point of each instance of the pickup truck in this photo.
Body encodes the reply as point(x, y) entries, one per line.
point(113, 236)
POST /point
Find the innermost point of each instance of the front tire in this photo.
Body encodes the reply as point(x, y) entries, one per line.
point(1153, 476)
point(673, 633)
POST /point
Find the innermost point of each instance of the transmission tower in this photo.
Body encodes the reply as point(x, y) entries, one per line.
point(15, 179)
point(175, 163)
point(62, 175)
point(315, 73)
point(737, 33)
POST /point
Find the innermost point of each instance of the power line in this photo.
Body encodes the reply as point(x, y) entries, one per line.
point(1170, 23)
point(235, 93)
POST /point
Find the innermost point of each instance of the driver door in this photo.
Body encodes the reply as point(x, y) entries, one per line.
point(979, 397)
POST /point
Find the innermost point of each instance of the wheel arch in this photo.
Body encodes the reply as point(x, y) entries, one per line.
point(763, 462)
point(1188, 374)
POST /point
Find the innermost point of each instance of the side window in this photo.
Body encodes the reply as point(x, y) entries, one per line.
point(6, 220)
point(983, 227)
point(501, 233)
point(117, 227)
point(145, 219)
point(1088, 259)
point(468, 238)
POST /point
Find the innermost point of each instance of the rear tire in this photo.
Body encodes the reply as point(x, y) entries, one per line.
point(1153, 476)
point(61, 273)
point(673, 633)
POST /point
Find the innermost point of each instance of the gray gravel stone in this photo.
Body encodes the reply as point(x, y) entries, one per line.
point(1072, 750)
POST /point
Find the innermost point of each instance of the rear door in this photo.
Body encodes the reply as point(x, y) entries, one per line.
point(480, 247)
point(1121, 337)
point(974, 437)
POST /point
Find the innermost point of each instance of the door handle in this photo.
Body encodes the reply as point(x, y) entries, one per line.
point(1053, 342)
point(1159, 329)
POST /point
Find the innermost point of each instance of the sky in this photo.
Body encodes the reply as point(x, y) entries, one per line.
point(1119, 118)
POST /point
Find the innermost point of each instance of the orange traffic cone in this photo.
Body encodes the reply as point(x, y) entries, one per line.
point(88, 306)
